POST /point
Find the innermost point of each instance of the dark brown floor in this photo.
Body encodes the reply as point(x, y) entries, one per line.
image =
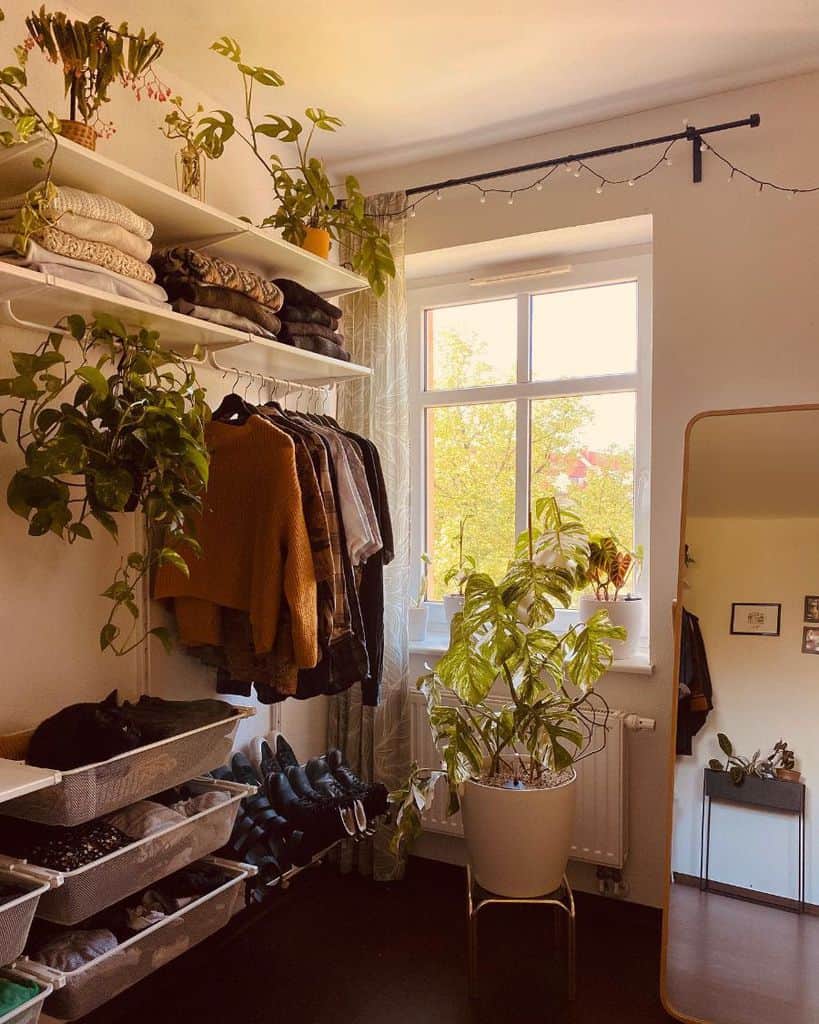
point(349, 951)
point(741, 963)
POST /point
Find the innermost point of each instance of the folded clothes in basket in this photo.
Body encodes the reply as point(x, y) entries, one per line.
point(15, 993)
point(70, 950)
point(144, 818)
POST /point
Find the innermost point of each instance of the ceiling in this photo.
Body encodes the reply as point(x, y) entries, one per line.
point(755, 465)
point(419, 79)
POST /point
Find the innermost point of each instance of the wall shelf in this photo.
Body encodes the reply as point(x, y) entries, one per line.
point(177, 217)
point(28, 295)
point(18, 779)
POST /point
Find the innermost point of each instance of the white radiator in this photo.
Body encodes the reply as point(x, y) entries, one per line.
point(601, 823)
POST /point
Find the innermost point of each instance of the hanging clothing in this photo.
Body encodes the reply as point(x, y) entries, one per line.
point(695, 689)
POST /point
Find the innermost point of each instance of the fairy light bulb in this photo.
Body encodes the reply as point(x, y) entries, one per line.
point(792, 194)
point(631, 182)
point(761, 187)
point(731, 175)
point(599, 189)
point(538, 186)
point(511, 199)
point(412, 211)
point(668, 161)
point(483, 197)
point(567, 168)
point(439, 195)
point(578, 170)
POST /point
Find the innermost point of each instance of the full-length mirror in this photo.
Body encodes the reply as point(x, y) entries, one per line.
point(742, 931)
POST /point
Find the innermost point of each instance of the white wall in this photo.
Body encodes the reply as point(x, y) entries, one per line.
point(735, 313)
point(764, 690)
point(50, 613)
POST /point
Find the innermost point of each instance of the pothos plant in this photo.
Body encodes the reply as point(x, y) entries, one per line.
point(505, 635)
point(302, 187)
point(117, 425)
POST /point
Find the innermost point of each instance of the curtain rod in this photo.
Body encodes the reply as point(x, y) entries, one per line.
point(692, 134)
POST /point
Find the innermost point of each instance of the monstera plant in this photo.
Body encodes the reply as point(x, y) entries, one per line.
point(114, 425)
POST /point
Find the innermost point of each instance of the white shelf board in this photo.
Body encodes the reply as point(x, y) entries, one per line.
point(18, 779)
point(44, 299)
point(178, 218)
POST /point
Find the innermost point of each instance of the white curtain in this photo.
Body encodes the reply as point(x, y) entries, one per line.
point(375, 741)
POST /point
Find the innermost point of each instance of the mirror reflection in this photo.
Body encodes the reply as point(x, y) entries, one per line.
point(742, 929)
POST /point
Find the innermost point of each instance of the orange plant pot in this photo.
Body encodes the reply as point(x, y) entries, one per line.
point(76, 131)
point(317, 241)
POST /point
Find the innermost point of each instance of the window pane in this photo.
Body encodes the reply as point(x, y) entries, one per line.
point(585, 332)
point(472, 345)
point(583, 449)
point(470, 472)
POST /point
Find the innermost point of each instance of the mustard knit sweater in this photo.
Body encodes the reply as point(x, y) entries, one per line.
point(255, 544)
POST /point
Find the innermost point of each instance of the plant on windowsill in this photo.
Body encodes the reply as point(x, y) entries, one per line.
point(508, 757)
point(309, 213)
point(93, 56)
point(611, 566)
point(458, 574)
point(418, 612)
point(118, 429)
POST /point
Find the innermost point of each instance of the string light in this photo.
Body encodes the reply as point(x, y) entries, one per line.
point(568, 167)
point(599, 189)
point(412, 211)
point(511, 199)
point(578, 170)
point(631, 182)
point(668, 161)
point(483, 197)
point(538, 186)
point(439, 195)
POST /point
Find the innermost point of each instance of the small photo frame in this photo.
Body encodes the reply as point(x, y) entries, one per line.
point(810, 640)
point(756, 619)
point(811, 608)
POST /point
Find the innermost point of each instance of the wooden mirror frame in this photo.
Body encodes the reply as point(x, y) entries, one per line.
point(677, 619)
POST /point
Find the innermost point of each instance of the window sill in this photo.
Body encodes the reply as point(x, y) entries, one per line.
point(639, 665)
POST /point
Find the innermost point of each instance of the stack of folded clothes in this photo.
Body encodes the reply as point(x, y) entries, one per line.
point(310, 322)
point(216, 290)
point(89, 239)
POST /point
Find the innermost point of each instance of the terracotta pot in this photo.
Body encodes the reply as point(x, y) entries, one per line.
point(518, 840)
point(76, 131)
point(621, 613)
point(317, 241)
point(788, 774)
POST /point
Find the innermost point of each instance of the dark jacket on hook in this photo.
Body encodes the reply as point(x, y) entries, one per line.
point(695, 692)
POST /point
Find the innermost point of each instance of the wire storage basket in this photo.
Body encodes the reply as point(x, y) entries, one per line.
point(110, 879)
point(28, 1012)
point(17, 914)
point(77, 993)
point(98, 789)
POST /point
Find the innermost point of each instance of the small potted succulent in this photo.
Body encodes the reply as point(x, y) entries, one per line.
point(93, 55)
point(610, 567)
point(784, 762)
point(457, 575)
point(418, 612)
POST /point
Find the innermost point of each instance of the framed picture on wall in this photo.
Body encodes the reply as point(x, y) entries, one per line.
point(811, 608)
point(755, 619)
point(810, 640)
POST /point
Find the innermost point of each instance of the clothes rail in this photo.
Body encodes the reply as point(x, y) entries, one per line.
point(252, 376)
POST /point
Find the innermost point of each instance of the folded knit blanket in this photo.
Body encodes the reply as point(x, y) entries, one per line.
point(90, 276)
point(301, 315)
point(223, 317)
point(296, 294)
point(86, 204)
point(223, 298)
point(190, 265)
point(98, 253)
point(92, 230)
point(293, 330)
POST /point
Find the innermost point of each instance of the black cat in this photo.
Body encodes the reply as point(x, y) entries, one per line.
point(83, 734)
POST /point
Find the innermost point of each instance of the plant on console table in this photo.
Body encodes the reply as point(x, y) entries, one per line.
point(117, 429)
point(508, 758)
point(309, 213)
point(611, 566)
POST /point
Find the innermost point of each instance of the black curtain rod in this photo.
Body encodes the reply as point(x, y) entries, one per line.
point(692, 134)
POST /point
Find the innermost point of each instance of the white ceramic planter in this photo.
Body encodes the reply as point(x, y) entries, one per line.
point(417, 622)
point(622, 613)
point(518, 840)
point(453, 603)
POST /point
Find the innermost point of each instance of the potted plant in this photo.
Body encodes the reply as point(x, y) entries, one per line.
point(418, 611)
point(738, 767)
point(457, 574)
point(508, 757)
point(190, 159)
point(783, 760)
point(93, 55)
point(309, 213)
point(120, 428)
point(610, 567)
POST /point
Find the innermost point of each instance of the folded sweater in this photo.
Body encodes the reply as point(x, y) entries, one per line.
point(215, 297)
point(92, 230)
point(191, 265)
point(97, 253)
point(296, 294)
point(86, 204)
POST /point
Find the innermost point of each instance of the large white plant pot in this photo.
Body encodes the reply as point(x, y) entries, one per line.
point(622, 613)
point(417, 622)
point(518, 840)
point(453, 603)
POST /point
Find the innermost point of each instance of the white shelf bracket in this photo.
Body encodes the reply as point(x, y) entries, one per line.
point(10, 319)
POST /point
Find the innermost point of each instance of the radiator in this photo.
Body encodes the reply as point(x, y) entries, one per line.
point(601, 822)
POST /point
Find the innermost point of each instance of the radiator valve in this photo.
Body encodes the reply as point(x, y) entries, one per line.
point(610, 882)
point(634, 723)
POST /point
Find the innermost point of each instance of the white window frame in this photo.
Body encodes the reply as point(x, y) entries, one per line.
point(581, 275)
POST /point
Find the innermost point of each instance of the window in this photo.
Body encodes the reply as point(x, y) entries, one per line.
point(520, 391)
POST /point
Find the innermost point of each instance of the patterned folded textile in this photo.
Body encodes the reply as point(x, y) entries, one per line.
point(98, 277)
point(297, 330)
point(98, 253)
point(296, 294)
point(298, 314)
point(92, 230)
point(223, 298)
point(191, 265)
point(316, 344)
point(87, 204)
point(223, 317)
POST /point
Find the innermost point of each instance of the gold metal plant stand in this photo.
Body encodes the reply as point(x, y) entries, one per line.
point(560, 899)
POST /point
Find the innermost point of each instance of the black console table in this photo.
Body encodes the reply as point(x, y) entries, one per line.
point(769, 794)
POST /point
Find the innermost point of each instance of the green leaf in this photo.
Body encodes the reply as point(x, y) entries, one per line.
point(285, 129)
point(108, 635)
point(228, 47)
point(464, 670)
point(715, 765)
point(80, 530)
point(264, 76)
point(109, 324)
point(725, 744)
point(167, 556)
point(162, 634)
point(95, 379)
point(76, 326)
point(112, 488)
